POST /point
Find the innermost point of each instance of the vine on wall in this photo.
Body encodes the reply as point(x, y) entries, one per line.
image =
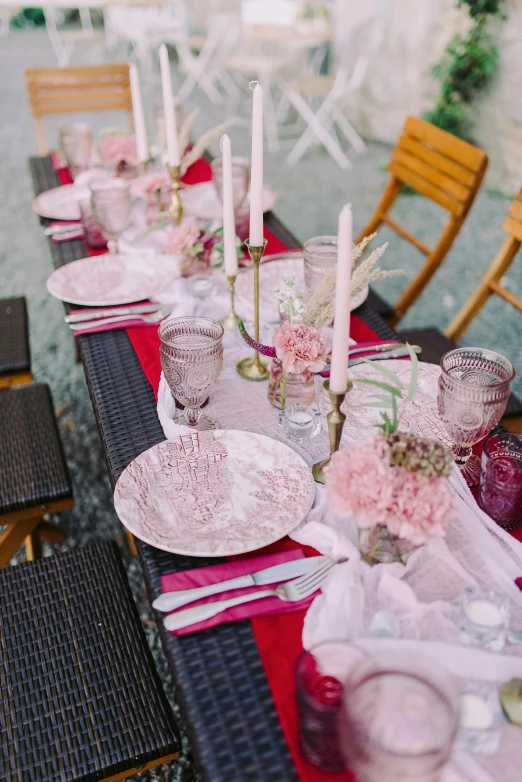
point(468, 64)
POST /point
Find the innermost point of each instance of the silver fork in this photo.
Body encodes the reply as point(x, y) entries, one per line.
point(154, 317)
point(291, 592)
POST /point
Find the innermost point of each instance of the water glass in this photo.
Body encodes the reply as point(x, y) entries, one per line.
point(191, 354)
point(76, 145)
point(320, 257)
point(400, 719)
point(501, 479)
point(111, 207)
point(240, 186)
point(92, 234)
point(474, 387)
point(484, 618)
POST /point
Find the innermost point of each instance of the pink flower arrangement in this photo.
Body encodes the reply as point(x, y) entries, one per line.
point(300, 348)
point(150, 183)
point(119, 150)
point(182, 238)
point(364, 484)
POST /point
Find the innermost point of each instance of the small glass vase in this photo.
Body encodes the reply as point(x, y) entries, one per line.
point(286, 388)
point(378, 546)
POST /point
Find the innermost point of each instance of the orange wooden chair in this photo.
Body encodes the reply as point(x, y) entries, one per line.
point(79, 89)
point(446, 170)
point(490, 283)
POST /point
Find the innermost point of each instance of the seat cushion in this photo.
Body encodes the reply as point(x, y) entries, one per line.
point(33, 470)
point(14, 336)
point(79, 695)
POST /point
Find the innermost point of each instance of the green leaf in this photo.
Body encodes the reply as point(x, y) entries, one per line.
point(412, 389)
point(392, 377)
point(378, 384)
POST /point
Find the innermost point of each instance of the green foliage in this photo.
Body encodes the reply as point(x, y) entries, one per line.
point(28, 17)
point(468, 64)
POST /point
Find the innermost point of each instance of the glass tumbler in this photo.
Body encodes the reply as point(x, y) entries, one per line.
point(91, 230)
point(474, 387)
point(240, 186)
point(320, 257)
point(400, 719)
point(501, 479)
point(76, 145)
point(111, 207)
point(191, 354)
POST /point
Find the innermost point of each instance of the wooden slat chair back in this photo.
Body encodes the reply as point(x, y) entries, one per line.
point(81, 89)
point(446, 170)
point(491, 282)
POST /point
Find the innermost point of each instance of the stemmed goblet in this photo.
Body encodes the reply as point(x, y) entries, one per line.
point(191, 354)
point(474, 388)
point(111, 206)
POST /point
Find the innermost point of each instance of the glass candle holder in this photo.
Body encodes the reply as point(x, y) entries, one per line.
point(320, 257)
point(201, 285)
point(480, 723)
point(501, 479)
point(484, 618)
point(76, 145)
point(300, 423)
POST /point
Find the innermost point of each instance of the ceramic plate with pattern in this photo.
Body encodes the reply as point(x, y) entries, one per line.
point(214, 493)
point(202, 201)
point(271, 273)
point(104, 280)
point(61, 203)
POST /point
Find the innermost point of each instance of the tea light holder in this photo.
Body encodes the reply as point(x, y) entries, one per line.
point(252, 368)
point(484, 618)
point(300, 423)
point(176, 205)
point(480, 724)
point(335, 420)
point(201, 285)
point(230, 322)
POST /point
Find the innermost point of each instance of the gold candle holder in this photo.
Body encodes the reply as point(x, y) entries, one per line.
point(335, 420)
point(252, 368)
point(230, 322)
point(176, 206)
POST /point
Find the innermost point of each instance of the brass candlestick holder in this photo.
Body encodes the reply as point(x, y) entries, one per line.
point(252, 368)
point(230, 322)
point(335, 420)
point(176, 206)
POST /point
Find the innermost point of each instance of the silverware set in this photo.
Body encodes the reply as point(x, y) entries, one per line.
point(148, 313)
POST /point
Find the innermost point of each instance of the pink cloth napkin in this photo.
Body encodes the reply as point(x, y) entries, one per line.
point(266, 606)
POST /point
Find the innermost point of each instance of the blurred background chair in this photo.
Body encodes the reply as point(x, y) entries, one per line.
point(440, 167)
point(491, 283)
point(77, 89)
point(62, 40)
point(15, 354)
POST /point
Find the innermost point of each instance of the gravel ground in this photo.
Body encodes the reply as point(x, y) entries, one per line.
point(310, 196)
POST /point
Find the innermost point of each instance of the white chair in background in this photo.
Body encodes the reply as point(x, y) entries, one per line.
point(64, 41)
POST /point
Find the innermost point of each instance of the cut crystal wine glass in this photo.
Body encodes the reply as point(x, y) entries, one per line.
point(474, 387)
point(111, 206)
point(191, 353)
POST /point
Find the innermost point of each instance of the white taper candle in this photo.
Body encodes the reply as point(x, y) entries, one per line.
point(171, 130)
point(341, 333)
point(140, 131)
point(256, 170)
point(229, 222)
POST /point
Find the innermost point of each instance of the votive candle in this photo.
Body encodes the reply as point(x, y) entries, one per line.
point(171, 130)
point(229, 221)
point(137, 112)
point(341, 326)
point(256, 170)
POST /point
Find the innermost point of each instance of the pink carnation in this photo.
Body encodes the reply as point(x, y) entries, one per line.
point(118, 149)
point(150, 183)
point(364, 486)
point(300, 348)
point(182, 237)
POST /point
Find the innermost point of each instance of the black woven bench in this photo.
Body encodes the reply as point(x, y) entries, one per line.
point(15, 354)
point(222, 687)
point(34, 479)
point(80, 698)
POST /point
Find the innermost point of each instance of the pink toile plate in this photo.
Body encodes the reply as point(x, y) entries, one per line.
point(214, 493)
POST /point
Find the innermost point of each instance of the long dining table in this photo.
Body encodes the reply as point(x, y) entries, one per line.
point(220, 680)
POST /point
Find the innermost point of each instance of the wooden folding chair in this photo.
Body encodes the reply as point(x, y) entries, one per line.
point(446, 170)
point(80, 89)
point(490, 283)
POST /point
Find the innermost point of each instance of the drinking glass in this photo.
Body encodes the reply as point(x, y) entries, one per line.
point(400, 719)
point(92, 234)
point(111, 207)
point(473, 392)
point(320, 257)
point(191, 354)
point(501, 479)
point(76, 145)
point(240, 185)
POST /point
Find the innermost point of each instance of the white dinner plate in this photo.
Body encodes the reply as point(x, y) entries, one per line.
point(201, 201)
point(214, 493)
point(61, 203)
point(112, 279)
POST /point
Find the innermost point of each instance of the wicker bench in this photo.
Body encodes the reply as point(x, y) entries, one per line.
point(80, 697)
point(15, 355)
point(34, 479)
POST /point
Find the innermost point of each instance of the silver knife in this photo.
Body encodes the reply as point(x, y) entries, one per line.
point(398, 353)
point(139, 309)
point(169, 601)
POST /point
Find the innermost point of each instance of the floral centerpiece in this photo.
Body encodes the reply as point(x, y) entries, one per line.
point(200, 247)
point(300, 351)
point(118, 151)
